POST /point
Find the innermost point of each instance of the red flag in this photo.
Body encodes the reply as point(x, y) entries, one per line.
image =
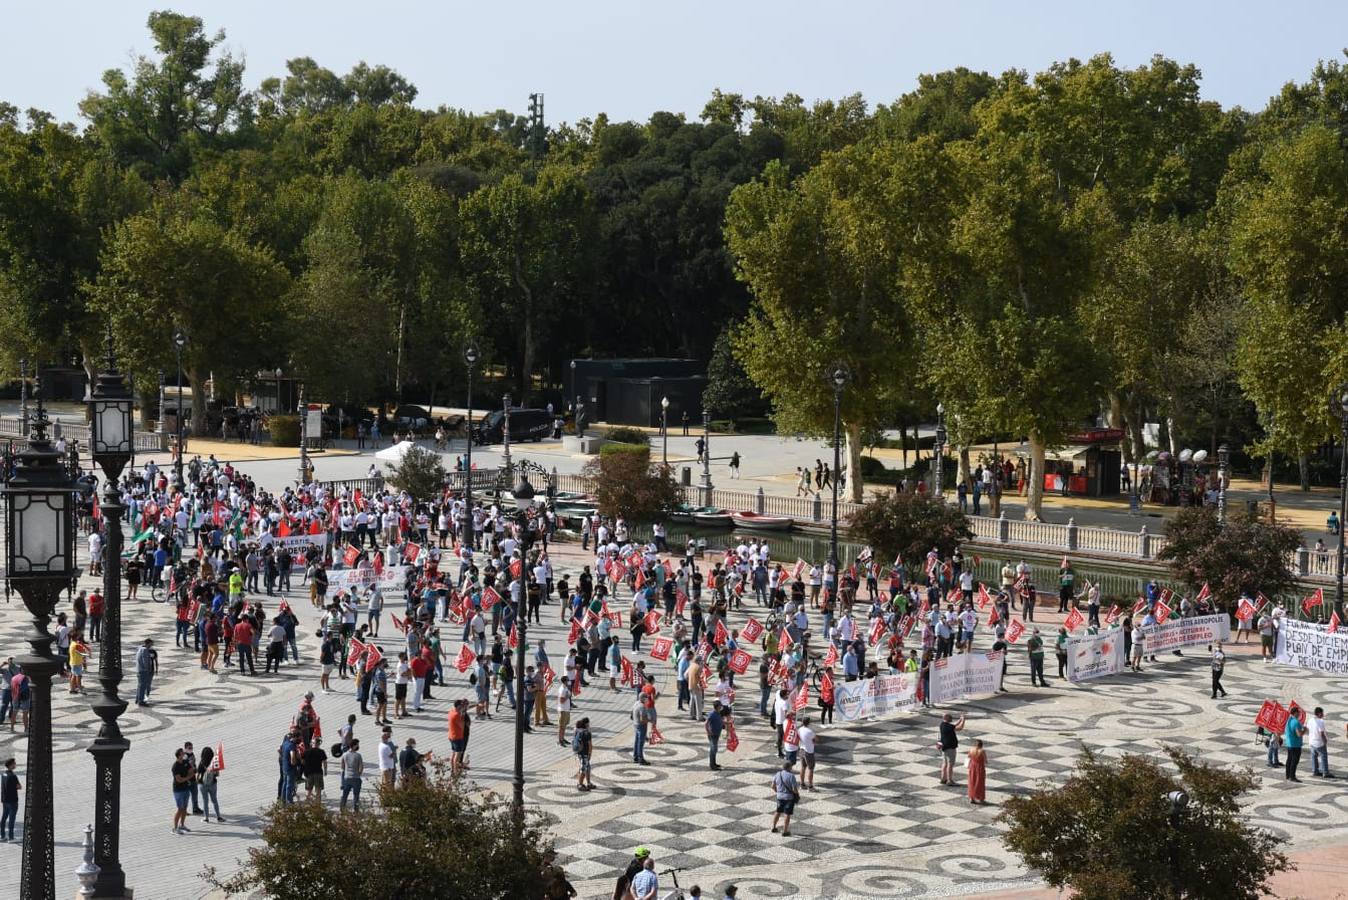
point(616, 619)
point(378, 564)
point(1204, 593)
point(784, 642)
point(283, 527)
point(627, 672)
point(877, 630)
point(350, 555)
point(373, 658)
point(956, 596)
point(722, 636)
point(1014, 631)
point(680, 601)
point(984, 598)
point(652, 622)
point(548, 677)
point(353, 654)
point(464, 659)
point(1162, 613)
point(410, 553)
point(656, 736)
point(400, 624)
point(799, 568)
point(489, 599)
point(732, 740)
point(789, 735)
point(661, 648)
point(1272, 716)
point(752, 630)
point(669, 569)
point(739, 661)
point(315, 527)
point(1245, 609)
point(1074, 619)
point(1112, 614)
point(1334, 622)
point(614, 570)
point(826, 687)
point(217, 512)
point(590, 619)
point(359, 500)
point(993, 618)
point(516, 567)
point(514, 638)
point(218, 763)
point(1140, 605)
point(1261, 600)
point(574, 633)
point(802, 698)
point(640, 581)
point(831, 657)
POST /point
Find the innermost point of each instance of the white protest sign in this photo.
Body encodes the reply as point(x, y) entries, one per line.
point(1179, 633)
point(880, 696)
point(298, 543)
point(965, 675)
point(392, 578)
point(1307, 645)
point(1095, 655)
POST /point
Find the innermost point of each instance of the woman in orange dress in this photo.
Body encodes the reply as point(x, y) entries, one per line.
point(978, 771)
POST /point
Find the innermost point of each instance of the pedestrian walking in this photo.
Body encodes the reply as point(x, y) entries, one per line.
point(807, 739)
point(786, 788)
point(353, 773)
point(641, 719)
point(1218, 665)
point(147, 664)
point(208, 775)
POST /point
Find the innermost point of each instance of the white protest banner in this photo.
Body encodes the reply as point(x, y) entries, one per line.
point(880, 696)
point(392, 578)
point(965, 675)
point(1307, 645)
point(298, 543)
point(1179, 633)
point(1095, 655)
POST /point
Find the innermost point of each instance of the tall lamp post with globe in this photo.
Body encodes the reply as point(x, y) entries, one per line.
point(1338, 405)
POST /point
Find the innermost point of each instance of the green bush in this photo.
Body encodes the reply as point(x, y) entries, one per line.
point(285, 430)
point(628, 436)
point(610, 448)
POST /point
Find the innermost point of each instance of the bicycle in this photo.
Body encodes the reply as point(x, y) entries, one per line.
point(677, 893)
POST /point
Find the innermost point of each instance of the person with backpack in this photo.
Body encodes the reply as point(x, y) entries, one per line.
point(207, 776)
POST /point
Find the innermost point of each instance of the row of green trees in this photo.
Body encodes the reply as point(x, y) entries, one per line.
point(1030, 251)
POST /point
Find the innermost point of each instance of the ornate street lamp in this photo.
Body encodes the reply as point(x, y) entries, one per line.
point(706, 457)
point(113, 447)
point(1338, 404)
point(304, 439)
point(839, 379)
point(470, 357)
point(939, 492)
point(664, 432)
point(23, 396)
point(524, 500)
point(179, 342)
point(505, 430)
point(40, 563)
point(278, 374)
point(1223, 460)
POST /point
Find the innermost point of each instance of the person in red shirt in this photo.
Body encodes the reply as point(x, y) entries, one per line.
point(421, 667)
point(458, 736)
point(97, 606)
point(243, 645)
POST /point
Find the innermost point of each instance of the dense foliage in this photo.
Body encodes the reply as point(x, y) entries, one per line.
point(1033, 251)
point(420, 472)
point(1109, 833)
point(908, 525)
point(1246, 556)
point(626, 483)
point(424, 838)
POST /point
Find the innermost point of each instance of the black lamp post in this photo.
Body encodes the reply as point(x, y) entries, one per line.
point(40, 563)
point(505, 430)
point(1339, 406)
point(573, 382)
point(23, 396)
point(524, 499)
point(470, 357)
point(1223, 460)
point(664, 432)
point(179, 342)
point(839, 379)
point(112, 446)
point(278, 374)
point(706, 457)
point(939, 492)
point(304, 439)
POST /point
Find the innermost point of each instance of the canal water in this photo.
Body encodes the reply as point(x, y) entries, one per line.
point(1116, 584)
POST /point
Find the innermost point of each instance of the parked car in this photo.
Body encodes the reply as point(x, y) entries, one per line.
point(411, 416)
point(525, 425)
point(345, 416)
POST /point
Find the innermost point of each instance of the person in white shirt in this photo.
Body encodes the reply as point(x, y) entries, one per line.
point(806, 736)
point(388, 758)
point(95, 553)
point(1318, 738)
point(564, 703)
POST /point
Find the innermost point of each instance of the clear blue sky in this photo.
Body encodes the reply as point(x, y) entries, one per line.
point(630, 57)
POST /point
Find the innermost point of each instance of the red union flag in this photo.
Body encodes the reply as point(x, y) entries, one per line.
point(799, 568)
point(1014, 631)
point(640, 579)
point(739, 661)
point(1272, 716)
point(350, 555)
point(464, 659)
point(661, 648)
point(956, 596)
point(789, 735)
point(656, 736)
point(373, 658)
point(752, 630)
point(831, 657)
point(1334, 622)
point(1112, 614)
point(616, 619)
point(1203, 594)
point(516, 567)
point(1162, 612)
point(548, 675)
point(1261, 600)
point(514, 638)
point(652, 622)
point(410, 553)
point(614, 570)
point(590, 619)
point(680, 601)
point(993, 618)
point(1140, 605)
point(353, 654)
point(628, 673)
point(826, 687)
point(1245, 609)
point(1074, 619)
point(984, 598)
point(1167, 595)
point(802, 698)
point(574, 633)
point(489, 599)
point(722, 637)
point(732, 740)
point(784, 642)
point(877, 630)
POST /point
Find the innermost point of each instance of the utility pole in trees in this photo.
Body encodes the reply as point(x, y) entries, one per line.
point(538, 135)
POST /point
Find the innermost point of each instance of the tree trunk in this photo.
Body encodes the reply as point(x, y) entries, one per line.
point(398, 360)
point(1304, 465)
point(853, 449)
point(1116, 418)
point(965, 476)
point(91, 372)
point(1034, 494)
point(198, 406)
point(143, 400)
point(917, 445)
point(1169, 424)
point(903, 443)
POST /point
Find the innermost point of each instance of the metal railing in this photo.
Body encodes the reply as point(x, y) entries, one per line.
point(12, 426)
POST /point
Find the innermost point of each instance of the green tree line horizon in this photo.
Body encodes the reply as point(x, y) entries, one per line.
point(1034, 251)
